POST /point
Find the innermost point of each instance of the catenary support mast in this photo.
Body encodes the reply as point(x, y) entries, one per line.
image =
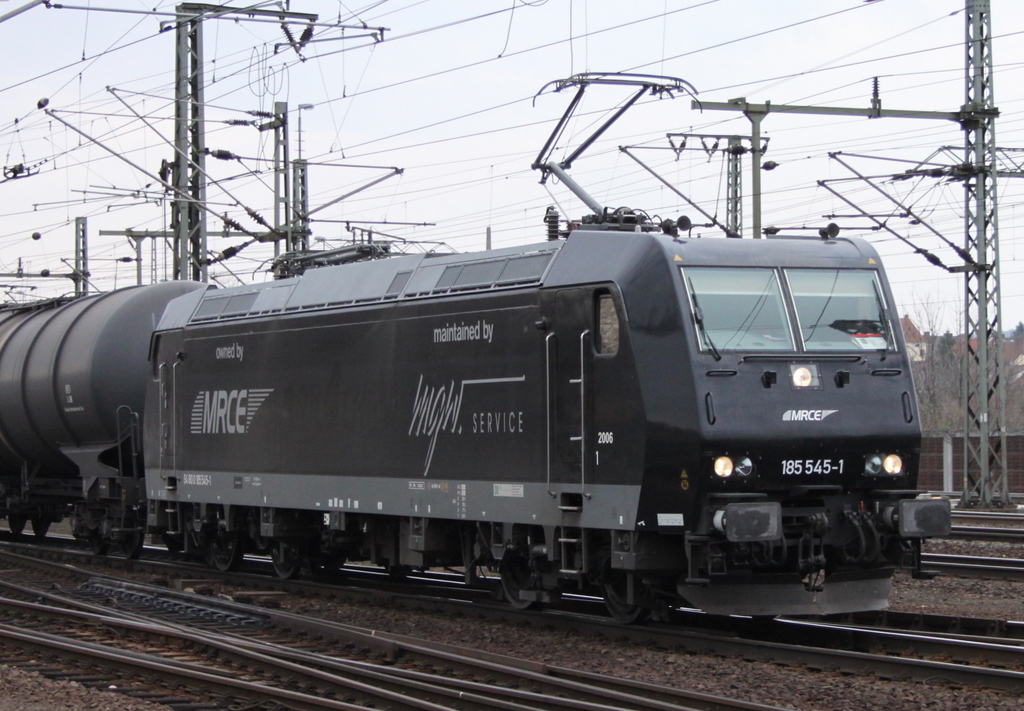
point(984, 390)
point(984, 401)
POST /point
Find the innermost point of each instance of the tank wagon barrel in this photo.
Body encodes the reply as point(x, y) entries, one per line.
point(72, 384)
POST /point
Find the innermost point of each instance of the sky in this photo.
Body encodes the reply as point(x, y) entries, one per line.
point(451, 93)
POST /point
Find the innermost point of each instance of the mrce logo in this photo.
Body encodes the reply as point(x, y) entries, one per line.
point(806, 415)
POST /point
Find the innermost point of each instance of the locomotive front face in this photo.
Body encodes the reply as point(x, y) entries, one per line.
point(827, 375)
point(808, 428)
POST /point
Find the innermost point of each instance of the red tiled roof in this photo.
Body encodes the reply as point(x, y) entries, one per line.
point(910, 332)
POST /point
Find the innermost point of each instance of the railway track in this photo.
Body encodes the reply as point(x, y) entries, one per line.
point(986, 653)
point(238, 653)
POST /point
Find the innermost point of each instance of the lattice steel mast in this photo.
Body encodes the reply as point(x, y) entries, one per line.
point(984, 390)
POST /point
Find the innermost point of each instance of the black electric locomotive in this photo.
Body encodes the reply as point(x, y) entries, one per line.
point(728, 424)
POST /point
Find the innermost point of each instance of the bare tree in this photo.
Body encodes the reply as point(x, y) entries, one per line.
point(937, 371)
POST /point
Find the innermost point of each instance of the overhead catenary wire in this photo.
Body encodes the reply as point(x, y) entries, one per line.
point(454, 136)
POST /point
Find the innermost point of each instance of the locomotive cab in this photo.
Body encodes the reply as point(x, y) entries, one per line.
point(808, 429)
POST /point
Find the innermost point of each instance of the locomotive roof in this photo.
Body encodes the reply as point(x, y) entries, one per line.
point(779, 251)
point(391, 279)
point(588, 255)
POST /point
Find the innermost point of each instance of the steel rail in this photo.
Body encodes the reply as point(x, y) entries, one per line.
point(170, 671)
point(993, 534)
point(969, 566)
point(967, 515)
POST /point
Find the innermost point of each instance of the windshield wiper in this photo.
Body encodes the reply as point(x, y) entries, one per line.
point(885, 318)
point(698, 317)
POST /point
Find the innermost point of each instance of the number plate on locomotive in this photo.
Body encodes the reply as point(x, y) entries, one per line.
point(796, 467)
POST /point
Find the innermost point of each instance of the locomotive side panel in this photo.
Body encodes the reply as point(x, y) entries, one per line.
point(446, 409)
point(364, 394)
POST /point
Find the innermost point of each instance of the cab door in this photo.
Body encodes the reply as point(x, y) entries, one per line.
point(571, 387)
point(591, 393)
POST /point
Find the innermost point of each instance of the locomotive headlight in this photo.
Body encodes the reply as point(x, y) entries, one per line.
point(744, 467)
point(723, 467)
point(804, 376)
point(893, 464)
point(880, 465)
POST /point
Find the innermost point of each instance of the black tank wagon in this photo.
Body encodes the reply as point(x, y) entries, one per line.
point(72, 384)
point(729, 424)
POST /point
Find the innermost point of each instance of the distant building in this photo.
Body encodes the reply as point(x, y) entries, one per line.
point(917, 345)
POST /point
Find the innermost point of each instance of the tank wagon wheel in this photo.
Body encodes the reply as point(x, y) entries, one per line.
point(225, 551)
point(615, 587)
point(515, 576)
point(287, 559)
point(132, 544)
point(16, 524)
point(40, 526)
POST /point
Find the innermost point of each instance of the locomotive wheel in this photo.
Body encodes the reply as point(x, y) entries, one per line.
point(98, 544)
point(329, 564)
point(287, 559)
point(515, 576)
point(132, 544)
point(16, 524)
point(175, 542)
point(398, 573)
point(39, 527)
point(225, 551)
point(615, 596)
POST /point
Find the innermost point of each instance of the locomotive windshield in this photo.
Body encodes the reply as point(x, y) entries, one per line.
point(839, 309)
point(739, 309)
point(745, 309)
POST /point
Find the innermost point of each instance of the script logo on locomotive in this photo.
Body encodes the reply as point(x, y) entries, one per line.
point(806, 415)
point(226, 411)
point(436, 409)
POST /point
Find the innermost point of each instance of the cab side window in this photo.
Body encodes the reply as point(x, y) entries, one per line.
point(607, 341)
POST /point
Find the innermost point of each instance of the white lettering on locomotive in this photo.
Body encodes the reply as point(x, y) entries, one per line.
point(191, 479)
point(454, 332)
point(497, 422)
point(806, 415)
point(436, 409)
point(226, 411)
point(232, 352)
